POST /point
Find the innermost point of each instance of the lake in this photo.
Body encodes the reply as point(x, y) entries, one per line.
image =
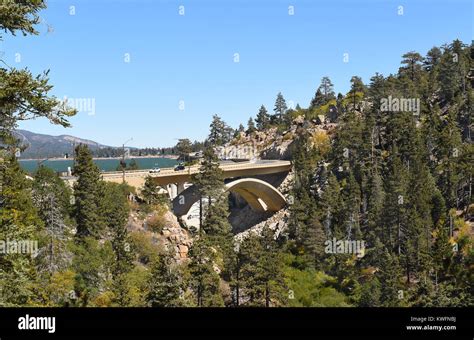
point(61, 165)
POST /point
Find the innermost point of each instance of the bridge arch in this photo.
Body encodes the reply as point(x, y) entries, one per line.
point(260, 195)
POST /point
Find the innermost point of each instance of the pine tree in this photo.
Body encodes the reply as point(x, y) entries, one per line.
point(88, 191)
point(250, 126)
point(327, 89)
point(375, 199)
point(164, 283)
point(204, 279)
point(263, 119)
point(390, 276)
point(261, 277)
point(18, 222)
point(447, 152)
point(210, 184)
point(151, 191)
point(220, 133)
point(318, 99)
point(394, 220)
point(51, 197)
point(356, 93)
point(302, 196)
point(93, 263)
point(352, 202)
point(184, 148)
point(442, 254)
point(313, 241)
point(432, 59)
point(115, 210)
point(331, 205)
point(412, 65)
point(279, 109)
point(25, 96)
point(324, 93)
point(370, 293)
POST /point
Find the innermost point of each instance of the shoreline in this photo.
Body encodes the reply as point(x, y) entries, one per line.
point(97, 158)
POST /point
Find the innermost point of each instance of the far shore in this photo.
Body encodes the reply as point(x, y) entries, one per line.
point(98, 158)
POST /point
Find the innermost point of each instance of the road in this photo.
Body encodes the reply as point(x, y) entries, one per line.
point(169, 175)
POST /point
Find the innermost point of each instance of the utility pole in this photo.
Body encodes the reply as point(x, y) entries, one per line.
point(123, 159)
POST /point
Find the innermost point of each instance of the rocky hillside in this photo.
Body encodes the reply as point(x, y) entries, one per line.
point(274, 144)
point(164, 230)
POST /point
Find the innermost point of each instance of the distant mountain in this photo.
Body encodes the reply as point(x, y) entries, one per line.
point(46, 146)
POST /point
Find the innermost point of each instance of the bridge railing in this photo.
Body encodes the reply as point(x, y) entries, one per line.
point(194, 169)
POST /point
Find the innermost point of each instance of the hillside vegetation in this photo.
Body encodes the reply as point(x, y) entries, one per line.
point(386, 167)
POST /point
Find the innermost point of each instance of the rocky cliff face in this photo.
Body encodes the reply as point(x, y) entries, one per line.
point(171, 236)
point(278, 222)
point(271, 143)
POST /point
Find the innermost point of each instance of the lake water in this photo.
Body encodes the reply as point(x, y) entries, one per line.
point(61, 165)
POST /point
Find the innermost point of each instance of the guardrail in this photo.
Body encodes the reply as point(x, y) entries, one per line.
point(187, 171)
point(193, 169)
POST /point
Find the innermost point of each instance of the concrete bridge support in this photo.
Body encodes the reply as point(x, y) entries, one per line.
point(260, 195)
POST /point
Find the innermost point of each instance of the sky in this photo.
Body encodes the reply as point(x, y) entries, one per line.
point(156, 70)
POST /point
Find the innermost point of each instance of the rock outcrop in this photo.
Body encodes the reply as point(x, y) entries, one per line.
point(171, 236)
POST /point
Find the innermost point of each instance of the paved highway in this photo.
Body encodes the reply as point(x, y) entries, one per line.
point(169, 175)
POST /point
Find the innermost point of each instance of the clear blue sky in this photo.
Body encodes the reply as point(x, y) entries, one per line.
point(191, 57)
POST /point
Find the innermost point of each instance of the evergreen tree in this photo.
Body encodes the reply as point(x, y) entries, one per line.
point(263, 118)
point(220, 133)
point(390, 276)
point(432, 59)
point(93, 263)
point(447, 152)
point(318, 99)
point(204, 279)
point(411, 65)
point(151, 191)
point(324, 94)
point(115, 210)
point(375, 199)
point(394, 220)
point(327, 89)
point(261, 278)
point(250, 125)
point(164, 283)
point(51, 197)
point(18, 221)
point(25, 96)
point(356, 93)
point(184, 148)
point(370, 294)
point(210, 184)
point(279, 109)
point(88, 191)
point(331, 205)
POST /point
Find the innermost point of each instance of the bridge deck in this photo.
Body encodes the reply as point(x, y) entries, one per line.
point(169, 175)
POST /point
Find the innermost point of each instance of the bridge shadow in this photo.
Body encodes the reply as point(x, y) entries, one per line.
point(251, 200)
point(242, 216)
